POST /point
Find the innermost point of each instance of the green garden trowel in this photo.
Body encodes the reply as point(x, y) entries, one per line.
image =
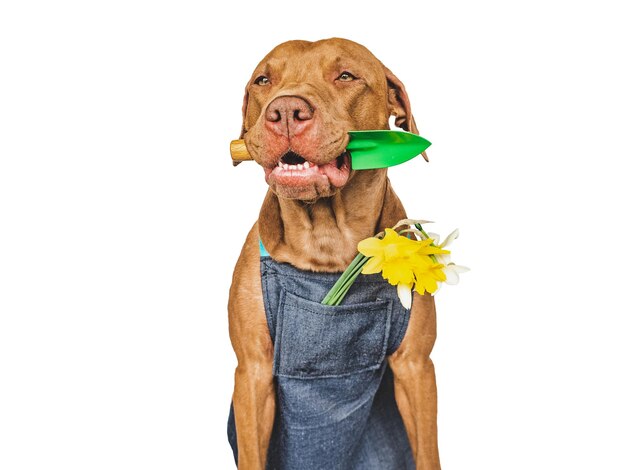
point(368, 149)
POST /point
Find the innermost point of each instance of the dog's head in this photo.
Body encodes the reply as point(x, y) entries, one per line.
point(299, 105)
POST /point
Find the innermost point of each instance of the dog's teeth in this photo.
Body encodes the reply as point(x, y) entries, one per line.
point(306, 165)
point(292, 167)
point(300, 167)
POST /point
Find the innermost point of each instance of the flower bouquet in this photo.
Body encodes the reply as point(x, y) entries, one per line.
point(409, 258)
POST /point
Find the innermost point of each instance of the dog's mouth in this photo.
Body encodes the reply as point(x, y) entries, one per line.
point(293, 169)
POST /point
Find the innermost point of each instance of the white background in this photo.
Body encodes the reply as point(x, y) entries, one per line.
point(121, 220)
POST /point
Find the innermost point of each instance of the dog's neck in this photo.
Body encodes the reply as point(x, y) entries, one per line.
point(323, 236)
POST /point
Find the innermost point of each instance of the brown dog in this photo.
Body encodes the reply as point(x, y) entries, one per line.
point(304, 97)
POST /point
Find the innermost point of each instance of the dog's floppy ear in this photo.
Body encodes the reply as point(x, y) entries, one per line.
point(399, 104)
point(244, 110)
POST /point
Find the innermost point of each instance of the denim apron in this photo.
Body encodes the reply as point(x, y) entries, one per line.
point(335, 405)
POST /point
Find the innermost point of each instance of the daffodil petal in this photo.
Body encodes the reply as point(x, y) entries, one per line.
point(450, 238)
point(397, 272)
point(430, 284)
point(452, 277)
point(370, 246)
point(391, 236)
point(444, 258)
point(434, 250)
point(373, 265)
point(410, 222)
point(419, 288)
point(439, 274)
point(405, 294)
point(459, 268)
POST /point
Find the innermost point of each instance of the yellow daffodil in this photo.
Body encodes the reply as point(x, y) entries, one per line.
point(420, 264)
point(404, 262)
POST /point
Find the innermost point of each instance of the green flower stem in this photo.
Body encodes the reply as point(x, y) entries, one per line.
point(419, 227)
point(343, 290)
point(344, 287)
point(342, 279)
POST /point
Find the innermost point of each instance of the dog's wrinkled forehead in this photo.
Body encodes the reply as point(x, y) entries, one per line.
point(299, 61)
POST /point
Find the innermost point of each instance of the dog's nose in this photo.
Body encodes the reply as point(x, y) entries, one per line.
point(289, 115)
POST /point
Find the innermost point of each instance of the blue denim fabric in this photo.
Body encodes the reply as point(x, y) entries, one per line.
point(335, 398)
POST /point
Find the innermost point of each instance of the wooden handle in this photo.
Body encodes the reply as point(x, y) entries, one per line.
point(239, 152)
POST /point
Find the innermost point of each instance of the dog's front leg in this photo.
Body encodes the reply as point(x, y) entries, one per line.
point(254, 398)
point(414, 379)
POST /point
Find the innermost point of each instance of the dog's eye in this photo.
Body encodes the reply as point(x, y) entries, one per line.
point(262, 80)
point(346, 77)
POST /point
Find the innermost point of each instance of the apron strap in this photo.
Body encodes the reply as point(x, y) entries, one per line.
point(262, 250)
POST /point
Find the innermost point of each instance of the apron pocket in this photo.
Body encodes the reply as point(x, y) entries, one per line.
point(315, 340)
